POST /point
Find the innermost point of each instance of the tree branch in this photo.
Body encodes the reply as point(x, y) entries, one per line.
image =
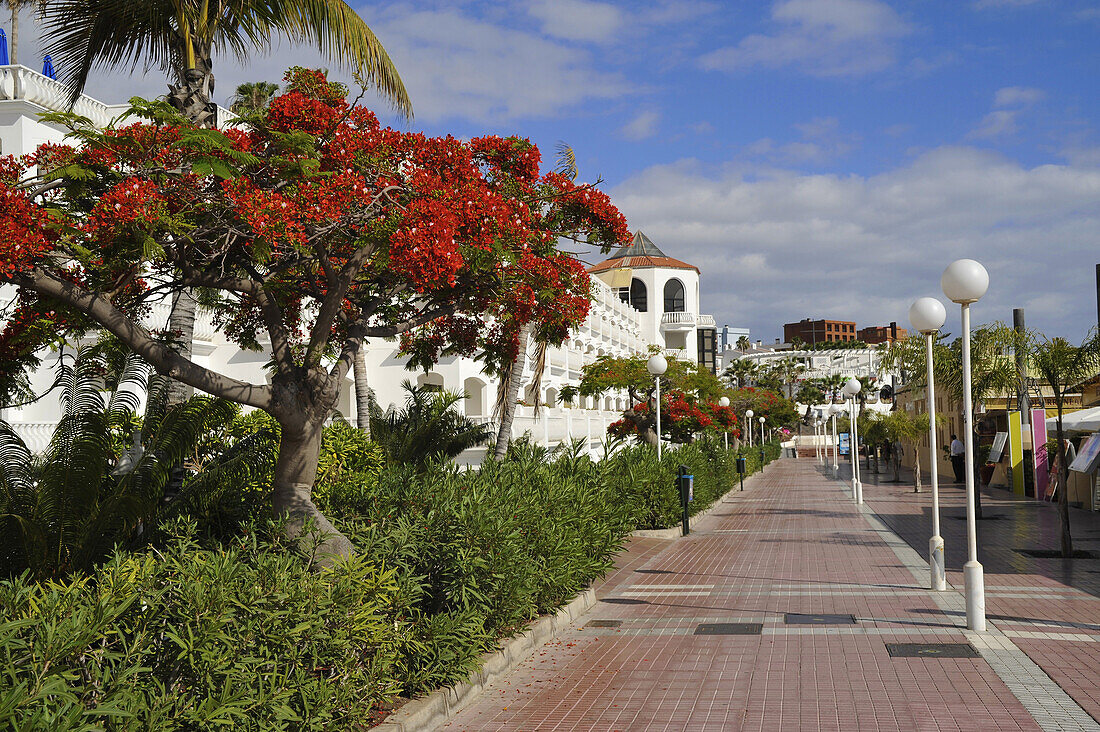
point(163, 359)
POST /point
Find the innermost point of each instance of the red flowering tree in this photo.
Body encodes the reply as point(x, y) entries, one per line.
point(311, 232)
point(777, 410)
point(689, 398)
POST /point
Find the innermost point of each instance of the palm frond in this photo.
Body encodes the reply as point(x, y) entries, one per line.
point(565, 162)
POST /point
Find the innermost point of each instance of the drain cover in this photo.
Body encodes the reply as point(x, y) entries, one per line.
point(1057, 553)
point(624, 601)
point(729, 629)
point(603, 624)
point(932, 650)
point(822, 619)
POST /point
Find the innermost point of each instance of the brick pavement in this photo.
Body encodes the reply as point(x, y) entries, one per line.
point(655, 653)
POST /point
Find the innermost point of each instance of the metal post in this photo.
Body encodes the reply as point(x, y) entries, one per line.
point(836, 449)
point(852, 443)
point(972, 570)
point(658, 381)
point(935, 544)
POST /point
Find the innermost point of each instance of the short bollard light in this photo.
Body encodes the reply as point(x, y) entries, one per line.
point(687, 495)
point(741, 471)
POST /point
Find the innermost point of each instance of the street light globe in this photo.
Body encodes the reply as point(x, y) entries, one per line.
point(835, 409)
point(657, 365)
point(852, 386)
point(748, 413)
point(927, 315)
point(761, 420)
point(724, 402)
point(964, 281)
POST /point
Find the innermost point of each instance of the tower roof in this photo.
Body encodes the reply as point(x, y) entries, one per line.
point(640, 252)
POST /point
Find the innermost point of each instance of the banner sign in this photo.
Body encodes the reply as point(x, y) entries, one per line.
point(1039, 451)
point(1016, 451)
point(843, 443)
point(1088, 458)
point(998, 447)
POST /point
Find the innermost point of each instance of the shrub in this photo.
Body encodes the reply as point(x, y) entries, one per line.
point(241, 635)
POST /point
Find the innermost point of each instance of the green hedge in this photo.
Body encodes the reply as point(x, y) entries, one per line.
point(652, 486)
point(202, 630)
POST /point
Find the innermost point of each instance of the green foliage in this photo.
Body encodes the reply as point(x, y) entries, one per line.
point(240, 636)
point(612, 373)
point(427, 427)
point(103, 476)
point(651, 486)
point(348, 467)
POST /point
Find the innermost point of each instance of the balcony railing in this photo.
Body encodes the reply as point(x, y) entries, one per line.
point(19, 82)
point(678, 321)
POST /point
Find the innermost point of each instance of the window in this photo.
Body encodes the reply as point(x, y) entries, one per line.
point(638, 295)
point(674, 296)
point(624, 294)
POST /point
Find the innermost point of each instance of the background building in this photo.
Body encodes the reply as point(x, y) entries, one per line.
point(875, 334)
point(819, 331)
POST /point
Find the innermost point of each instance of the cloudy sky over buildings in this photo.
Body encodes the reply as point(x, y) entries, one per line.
point(821, 158)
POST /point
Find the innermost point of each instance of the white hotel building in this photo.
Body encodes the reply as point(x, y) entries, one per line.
point(641, 297)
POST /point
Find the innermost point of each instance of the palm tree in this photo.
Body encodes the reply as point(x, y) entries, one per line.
point(427, 427)
point(253, 97)
point(180, 36)
point(744, 344)
point(1064, 366)
point(740, 371)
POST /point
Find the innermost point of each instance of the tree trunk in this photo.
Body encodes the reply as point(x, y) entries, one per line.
point(13, 41)
point(182, 324)
point(191, 98)
point(362, 391)
point(511, 396)
point(301, 406)
point(1063, 497)
point(916, 468)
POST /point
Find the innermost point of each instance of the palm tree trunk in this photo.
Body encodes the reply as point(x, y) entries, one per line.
point(362, 391)
point(14, 40)
point(191, 97)
point(507, 406)
point(916, 468)
point(1063, 496)
point(182, 324)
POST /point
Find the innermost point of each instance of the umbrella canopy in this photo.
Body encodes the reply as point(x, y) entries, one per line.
point(1085, 420)
point(47, 67)
point(4, 48)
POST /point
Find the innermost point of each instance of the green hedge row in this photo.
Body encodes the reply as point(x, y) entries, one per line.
point(200, 630)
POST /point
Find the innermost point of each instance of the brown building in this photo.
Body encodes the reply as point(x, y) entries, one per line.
point(819, 331)
point(874, 334)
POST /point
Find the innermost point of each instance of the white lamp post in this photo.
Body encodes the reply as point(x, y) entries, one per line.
point(851, 388)
point(761, 437)
point(657, 366)
point(928, 315)
point(748, 422)
point(820, 441)
point(834, 411)
point(725, 402)
point(965, 281)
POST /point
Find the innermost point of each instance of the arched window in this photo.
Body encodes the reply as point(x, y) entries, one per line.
point(674, 296)
point(638, 295)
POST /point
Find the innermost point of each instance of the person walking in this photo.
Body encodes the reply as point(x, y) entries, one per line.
point(958, 459)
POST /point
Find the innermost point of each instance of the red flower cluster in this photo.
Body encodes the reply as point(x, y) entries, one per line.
point(469, 229)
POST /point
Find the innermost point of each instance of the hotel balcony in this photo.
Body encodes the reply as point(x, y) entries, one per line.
point(681, 322)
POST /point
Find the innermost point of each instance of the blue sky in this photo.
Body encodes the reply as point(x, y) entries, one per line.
point(823, 158)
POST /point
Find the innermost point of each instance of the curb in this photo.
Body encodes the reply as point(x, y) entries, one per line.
point(428, 712)
point(677, 532)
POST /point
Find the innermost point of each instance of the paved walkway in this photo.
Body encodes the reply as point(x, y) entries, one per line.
point(791, 609)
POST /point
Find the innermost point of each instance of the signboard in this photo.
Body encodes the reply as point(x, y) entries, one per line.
point(998, 448)
point(1088, 458)
point(1016, 452)
point(843, 443)
point(1039, 452)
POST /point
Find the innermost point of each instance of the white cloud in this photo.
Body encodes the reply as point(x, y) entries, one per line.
point(453, 64)
point(820, 37)
point(577, 20)
point(998, 123)
point(821, 141)
point(981, 4)
point(1017, 96)
point(642, 127)
point(863, 248)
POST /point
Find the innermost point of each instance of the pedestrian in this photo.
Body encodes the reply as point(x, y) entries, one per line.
point(958, 459)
